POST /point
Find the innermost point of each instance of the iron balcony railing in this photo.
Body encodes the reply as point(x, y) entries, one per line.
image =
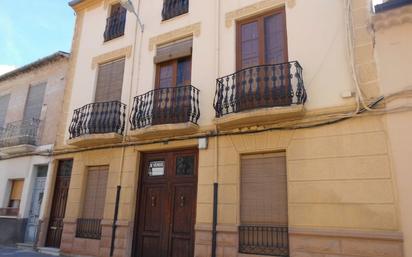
point(98, 118)
point(89, 228)
point(23, 132)
point(173, 8)
point(165, 106)
point(115, 25)
point(259, 87)
point(264, 240)
point(9, 212)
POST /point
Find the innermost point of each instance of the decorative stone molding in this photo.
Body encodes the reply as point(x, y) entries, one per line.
point(123, 52)
point(69, 82)
point(108, 3)
point(87, 4)
point(255, 9)
point(391, 18)
point(190, 30)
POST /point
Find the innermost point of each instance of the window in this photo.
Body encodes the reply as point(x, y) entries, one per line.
point(110, 81)
point(4, 103)
point(174, 73)
point(15, 193)
point(115, 23)
point(173, 8)
point(263, 205)
point(95, 192)
point(34, 102)
point(94, 200)
point(262, 40)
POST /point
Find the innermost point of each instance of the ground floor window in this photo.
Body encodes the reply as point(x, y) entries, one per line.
point(15, 193)
point(263, 205)
point(88, 226)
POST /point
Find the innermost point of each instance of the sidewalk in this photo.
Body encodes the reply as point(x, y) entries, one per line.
point(14, 252)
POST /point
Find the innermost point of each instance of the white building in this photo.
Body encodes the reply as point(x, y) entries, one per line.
point(30, 105)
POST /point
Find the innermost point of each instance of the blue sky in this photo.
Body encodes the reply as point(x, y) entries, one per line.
point(32, 29)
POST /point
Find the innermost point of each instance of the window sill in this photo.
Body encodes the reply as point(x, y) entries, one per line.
point(106, 42)
point(174, 18)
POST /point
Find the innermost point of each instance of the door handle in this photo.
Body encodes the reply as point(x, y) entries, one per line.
point(182, 201)
point(53, 228)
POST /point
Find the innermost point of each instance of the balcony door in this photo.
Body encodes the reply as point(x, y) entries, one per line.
point(172, 92)
point(105, 116)
point(261, 43)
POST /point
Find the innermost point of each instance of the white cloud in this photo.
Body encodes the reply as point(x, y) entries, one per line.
point(6, 68)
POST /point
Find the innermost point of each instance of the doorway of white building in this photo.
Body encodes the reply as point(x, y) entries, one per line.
point(35, 205)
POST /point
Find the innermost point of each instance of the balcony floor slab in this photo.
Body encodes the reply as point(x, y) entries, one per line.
point(95, 139)
point(18, 149)
point(164, 131)
point(259, 117)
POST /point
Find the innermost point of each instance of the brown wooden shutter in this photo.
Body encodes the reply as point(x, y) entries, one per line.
point(174, 50)
point(16, 189)
point(4, 103)
point(95, 195)
point(110, 81)
point(34, 102)
point(263, 198)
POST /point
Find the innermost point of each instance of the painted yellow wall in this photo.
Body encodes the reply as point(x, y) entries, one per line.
point(394, 55)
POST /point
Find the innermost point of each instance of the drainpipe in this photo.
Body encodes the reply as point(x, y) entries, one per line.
point(216, 179)
point(128, 107)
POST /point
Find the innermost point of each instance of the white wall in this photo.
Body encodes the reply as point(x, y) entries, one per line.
point(19, 168)
point(321, 52)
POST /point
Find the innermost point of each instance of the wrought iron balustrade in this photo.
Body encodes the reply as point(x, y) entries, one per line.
point(173, 8)
point(259, 87)
point(9, 212)
point(165, 106)
point(98, 118)
point(89, 228)
point(24, 132)
point(115, 25)
point(264, 240)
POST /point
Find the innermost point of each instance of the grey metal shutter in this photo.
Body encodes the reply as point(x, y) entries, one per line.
point(95, 195)
point(174, 50)
point(34, 102)
point(4, 103)
point(110, 81)
point(263, 197)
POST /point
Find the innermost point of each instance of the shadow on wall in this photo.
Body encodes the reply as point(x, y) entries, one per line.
point(12, 230)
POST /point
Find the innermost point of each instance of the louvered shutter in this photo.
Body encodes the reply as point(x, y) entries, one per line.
point(4, 103)
point(95, 195)
point(174, 50)
point(263, 198)
point(34, 102)
point(110, 81)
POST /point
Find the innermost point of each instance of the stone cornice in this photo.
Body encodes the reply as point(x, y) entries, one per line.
point(391, 18)
point(191, 30)
point(79, 5)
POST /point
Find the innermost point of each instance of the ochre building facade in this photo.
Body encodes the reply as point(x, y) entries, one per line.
point(228, 128)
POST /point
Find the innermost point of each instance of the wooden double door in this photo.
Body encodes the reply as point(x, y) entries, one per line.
point(167, 205)
point(58, 209)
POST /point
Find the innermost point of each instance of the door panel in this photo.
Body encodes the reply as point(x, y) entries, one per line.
point(183, 204)
point(58, 209)
point(168, 205)
point(154, 223)
point(33, 219)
